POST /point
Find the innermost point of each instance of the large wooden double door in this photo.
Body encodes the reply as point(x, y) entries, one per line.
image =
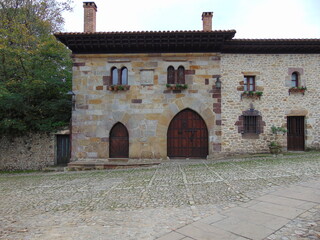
point(295, 134)
point(187, 136)
point(119, 141)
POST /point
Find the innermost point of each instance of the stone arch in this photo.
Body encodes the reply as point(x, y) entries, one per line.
point(178, 105)
point(187, 136)
point(119, 141)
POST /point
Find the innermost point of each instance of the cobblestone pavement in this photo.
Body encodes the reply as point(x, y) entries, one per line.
point(146, 203)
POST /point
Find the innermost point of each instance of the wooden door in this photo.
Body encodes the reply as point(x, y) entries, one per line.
point(119, 142)
point(63, 149)
point(187, 136)
point(295, 137)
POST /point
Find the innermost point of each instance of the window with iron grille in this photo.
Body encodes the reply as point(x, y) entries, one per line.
point(250, 124)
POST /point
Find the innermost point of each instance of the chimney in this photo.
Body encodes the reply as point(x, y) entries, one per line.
point(207, 21)
point(90, 9)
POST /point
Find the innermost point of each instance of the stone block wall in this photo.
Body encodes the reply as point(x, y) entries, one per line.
point(28, 152)
point(273, 75)
point(147, 108)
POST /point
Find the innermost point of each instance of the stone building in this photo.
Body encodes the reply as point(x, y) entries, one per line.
point(189, 94)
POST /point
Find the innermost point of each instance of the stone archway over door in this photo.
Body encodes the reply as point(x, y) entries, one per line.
point(187, 136)
point(119, 141)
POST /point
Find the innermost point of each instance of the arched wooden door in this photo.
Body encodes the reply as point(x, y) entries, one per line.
point(119, 141)
point(187, 136)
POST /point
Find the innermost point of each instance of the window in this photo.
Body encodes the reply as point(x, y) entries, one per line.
point(249, 83)
point(181, 78)
point(250, 124)
point(119, 77)
point(294, 79)
point(175, 77)
point(114, 76)
point(170, 75)
point(124, 76)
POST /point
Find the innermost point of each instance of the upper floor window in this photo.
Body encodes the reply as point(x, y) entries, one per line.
point(249, 83)
point(170, 75)
point(175, 77)
point(181, 75)
point(119, 76)
point(114, 76)
point(124, 76)
point(294, 79)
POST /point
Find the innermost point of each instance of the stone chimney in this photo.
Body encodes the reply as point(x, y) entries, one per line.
point(90, 9)
point(207, 21)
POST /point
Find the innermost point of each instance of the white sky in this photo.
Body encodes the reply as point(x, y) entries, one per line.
point(250, 18)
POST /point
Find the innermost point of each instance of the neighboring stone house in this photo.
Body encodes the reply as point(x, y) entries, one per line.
point(189, 94)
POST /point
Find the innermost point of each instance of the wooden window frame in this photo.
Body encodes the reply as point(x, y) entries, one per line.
point(119, 80)
point(113, 80)
point(247, 84)
point(121, 76)
point(171, 75)
point(295, 82)
point(181, 75)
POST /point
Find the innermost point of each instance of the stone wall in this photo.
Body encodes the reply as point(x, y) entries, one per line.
point(147, 108)
point(29, 152)
point(273, 72)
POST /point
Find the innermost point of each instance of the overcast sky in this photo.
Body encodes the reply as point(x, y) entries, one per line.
point(250, 18)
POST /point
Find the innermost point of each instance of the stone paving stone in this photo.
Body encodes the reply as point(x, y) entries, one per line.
point(243, 228)
point(213, 218)
point(277, 210)
point(284, 201)
point(308, 195)
point(203, 231)
point(256, 217)
point(172, 236)
point(312, 184)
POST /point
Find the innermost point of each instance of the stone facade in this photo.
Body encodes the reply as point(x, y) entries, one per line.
point(273, 72)
point(29, 152)
point(218, 71)
point(147, 108)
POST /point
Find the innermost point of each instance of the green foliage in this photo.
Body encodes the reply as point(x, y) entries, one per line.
point(177, 86)
point(299, 88)
point(276, 130)
point(252, 93)
point(274, 144)
point(35, 69)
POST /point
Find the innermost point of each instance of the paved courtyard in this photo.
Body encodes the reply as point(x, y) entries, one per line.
point(160, 201)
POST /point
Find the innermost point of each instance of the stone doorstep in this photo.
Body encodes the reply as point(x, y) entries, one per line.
point(114, 163)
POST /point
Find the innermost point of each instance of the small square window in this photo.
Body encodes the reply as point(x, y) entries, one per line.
point(249, 83)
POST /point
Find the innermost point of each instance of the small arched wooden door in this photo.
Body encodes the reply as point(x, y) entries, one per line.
point(119, 141)
point(187, 136)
